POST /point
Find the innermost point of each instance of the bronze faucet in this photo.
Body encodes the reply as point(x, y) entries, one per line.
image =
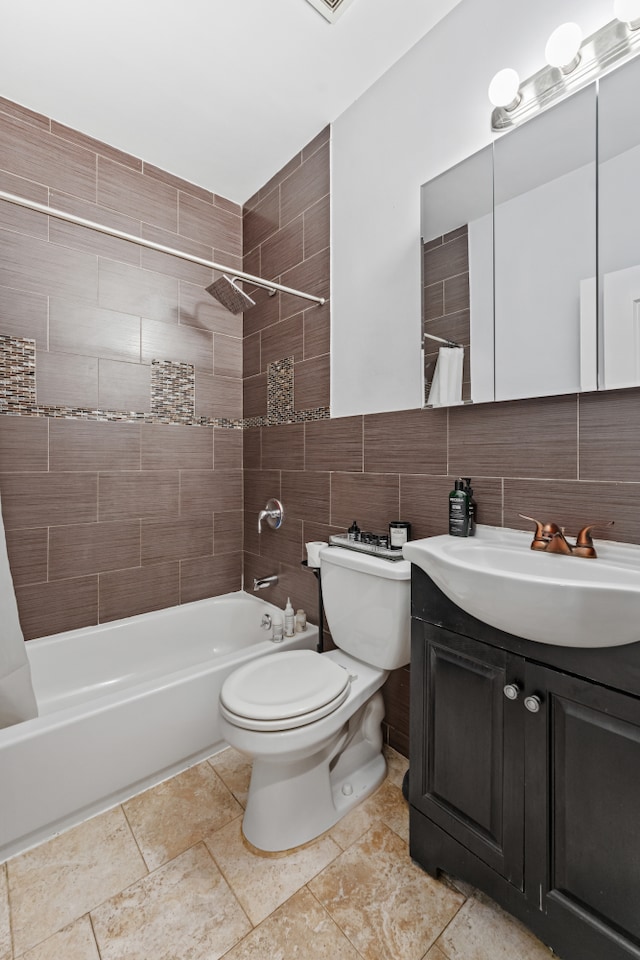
point(550, 537)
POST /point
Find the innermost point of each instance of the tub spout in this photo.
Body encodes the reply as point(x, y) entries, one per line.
point(260, 583)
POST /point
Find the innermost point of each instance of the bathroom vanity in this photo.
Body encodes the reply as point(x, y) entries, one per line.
point(525, 774)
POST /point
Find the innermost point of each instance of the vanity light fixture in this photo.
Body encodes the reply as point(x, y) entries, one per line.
point(571, 64)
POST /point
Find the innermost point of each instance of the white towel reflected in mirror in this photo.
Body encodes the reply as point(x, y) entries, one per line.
point(446, 386)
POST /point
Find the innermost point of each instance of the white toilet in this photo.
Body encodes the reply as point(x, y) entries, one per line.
point(311, 721)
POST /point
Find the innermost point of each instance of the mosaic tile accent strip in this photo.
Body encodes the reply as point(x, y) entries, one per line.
point(17, 373)
point(280, 390)
point(173, 391)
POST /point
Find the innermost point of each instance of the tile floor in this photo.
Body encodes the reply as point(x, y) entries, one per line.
point(166, 876)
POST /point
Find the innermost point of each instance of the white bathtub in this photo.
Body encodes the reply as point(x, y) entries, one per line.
point(122, 706)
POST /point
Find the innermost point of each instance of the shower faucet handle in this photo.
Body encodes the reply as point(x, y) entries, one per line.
point(273, 513)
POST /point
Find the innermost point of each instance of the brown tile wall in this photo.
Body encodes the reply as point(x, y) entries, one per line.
point(445, 301)
point(109, 519)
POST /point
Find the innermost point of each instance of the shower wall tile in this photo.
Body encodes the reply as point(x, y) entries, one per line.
point(283, 446)
point(307, 184)
point(61, 605)
point(175, 447)
point(90, 331)
point(24, 315)
point(137, 494)
point(210, 576)
point(312, 383)
point(83, 549)
point(414, 438)
point(283, 250)
point(252, 448)
point(145, 198)
point(290, 167)
point(609, 442)
point(251, 362)
point(69, 381)
point(47, 499)
point(24, 444)
point(84, 445)
point(265, 312)
point(138, 292)
point(126, 593)
point(317, 330)
point(282, 340)
point(19, 219)
point(210, 224)
point(167, 263)
point(19, 112)
point(97, 146)
point(198, 309)
point(334, 444)
point(36, 266)
point(321, 138)
point(203, 492)
point(218, 396)
point(317, 233)
point(261, 221)
point(27, 550)
point(227, 532)
point(305, 493)
point(227, 356)
point(156, 173)
point(178, 539)
point(373, 499)
point(227, 449)
point(254, 396)
point(124, 386)
point(170, 341)
point(312, 276)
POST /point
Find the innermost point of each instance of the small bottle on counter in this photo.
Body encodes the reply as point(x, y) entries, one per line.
point(473, 507)
point(353, 532)
point(458, 511)
point(278, 629)
point(399, 533)
point(289, 620)
point(301, 621)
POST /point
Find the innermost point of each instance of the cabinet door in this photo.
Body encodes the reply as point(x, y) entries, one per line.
point(583, 808)
point(467, 762)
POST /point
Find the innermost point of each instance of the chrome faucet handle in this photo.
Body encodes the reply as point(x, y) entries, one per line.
point(273, 513)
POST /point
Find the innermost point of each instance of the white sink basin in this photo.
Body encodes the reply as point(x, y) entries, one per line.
point(563, 600)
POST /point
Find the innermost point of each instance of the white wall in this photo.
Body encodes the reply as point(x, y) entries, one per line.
point(425, 114)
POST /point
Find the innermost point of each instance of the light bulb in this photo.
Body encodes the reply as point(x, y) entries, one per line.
point(503, 89)
point(562, 49)
point(628, 11)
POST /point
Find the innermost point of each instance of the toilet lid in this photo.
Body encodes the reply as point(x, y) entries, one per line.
point(285, 686)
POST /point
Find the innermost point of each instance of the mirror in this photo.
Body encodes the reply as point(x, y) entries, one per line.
point(619, 227)
point(457, 284)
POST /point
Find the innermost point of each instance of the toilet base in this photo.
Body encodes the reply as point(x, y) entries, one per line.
point(292, 801)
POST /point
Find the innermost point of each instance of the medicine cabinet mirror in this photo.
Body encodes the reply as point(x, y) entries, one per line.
point(509, 241)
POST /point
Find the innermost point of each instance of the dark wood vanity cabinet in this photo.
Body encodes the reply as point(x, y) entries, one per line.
point(525, 776)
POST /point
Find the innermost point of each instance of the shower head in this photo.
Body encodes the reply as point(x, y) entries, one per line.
point(227, 292)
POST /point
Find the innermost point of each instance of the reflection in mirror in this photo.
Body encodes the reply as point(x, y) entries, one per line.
point(457, 291)
point(619, 226)
point(545, 252)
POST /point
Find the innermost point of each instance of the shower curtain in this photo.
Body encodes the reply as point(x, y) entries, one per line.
point(17, 700)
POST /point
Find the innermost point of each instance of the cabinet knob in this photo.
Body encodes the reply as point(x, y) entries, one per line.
point(533, 703)
point(511, 691)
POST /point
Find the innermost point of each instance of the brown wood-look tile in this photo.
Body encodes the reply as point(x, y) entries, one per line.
point(23, 188)
point(260, 486)
point(318, 141)
point(87, 548)
point(281, 340)
point(521, 438)
point(49, 608)
point(283, 250)
point(178, 343)
point(27, 550)
point(309, 183)
point(283, 447)
point(138, 292)
point(312, 383)
point(251, 263)
point(90, 331)
point(251, 362)
point(210, 576)
point(283, 546)
point(91, 241)
point(290, 167)
point(47, 499)
point(254, 396)
point(395, 694)
point(609, 443)
point(203, 492)
point(433, 301)
point(227, 356)
point(124, 386)
point(24, 315)
point(252, 448)
point(37, 266)
point(251, 538)
point(176, 447)
point(177, 539)
point(229, 205)
point(306, 495)
point(424, 502)
point(227, 532)
point(66, 380)
point(20, 220)
point(261, 221)
point(574, 504)
point(126, 593)
point(37, 155)
point(406, 441)
point(170, 265)
point(447, 260)
point(227, 449)
point(127, 495)
point(317, 227)
point(453, 326)
point(93, 445)
point(317, 331)
point(157, 173)
point(142, 197)
point(311, 276)
point(373, 499)
point(334, 444)
point(265, 312)
point(456, 293)
point(212, 225)
point(218, 396)
point(199, 309)
point(19, 112)
point(95, 146)
point(24, 444)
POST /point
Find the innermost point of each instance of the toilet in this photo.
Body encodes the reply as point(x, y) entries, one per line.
point(312, 721)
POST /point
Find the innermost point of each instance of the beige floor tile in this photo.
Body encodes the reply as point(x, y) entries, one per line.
point(298, 930)
point(397, 765)
point(5, 929)
point(173, 816)
point(482, 931)
point(182, 910)
point(387, 804)
point(61, 880)
point(435, 954)
point(383, 902)
point(262, 883)
point(75, 942)
point(234, 769)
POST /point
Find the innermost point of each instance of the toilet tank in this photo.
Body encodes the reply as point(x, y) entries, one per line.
point(367, 602)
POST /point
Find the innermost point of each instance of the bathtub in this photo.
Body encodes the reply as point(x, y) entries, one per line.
point(121, 707)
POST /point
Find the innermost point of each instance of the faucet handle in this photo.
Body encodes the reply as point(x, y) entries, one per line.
point(584, 541)
point(543, 532)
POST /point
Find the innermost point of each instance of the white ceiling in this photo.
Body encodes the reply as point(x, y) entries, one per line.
point(220, 92)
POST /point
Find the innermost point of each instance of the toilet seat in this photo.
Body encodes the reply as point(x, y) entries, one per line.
point(284, 691)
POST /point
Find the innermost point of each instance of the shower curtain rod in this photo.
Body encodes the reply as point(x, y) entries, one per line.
point(151, 245)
